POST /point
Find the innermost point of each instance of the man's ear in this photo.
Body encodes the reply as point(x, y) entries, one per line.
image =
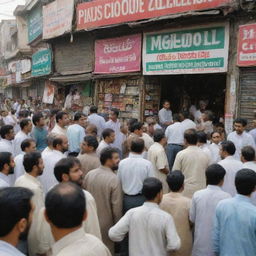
point(65, 177)
point(22, 225)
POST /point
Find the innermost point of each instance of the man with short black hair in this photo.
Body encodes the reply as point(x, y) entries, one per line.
point(165, 115)
point(186, 123)
point(202, 143)
point(27, 146)
point(24, 133)
point(65, 206)
point(39, 132)
point(203, 207)
point(240, 137)
point(192, 162)
point(235, 219)
point(88, 157)
point(33, 165)
point(108, 136)
point(151, 230)
point(97, 120)
point(76, 133)
point(158, 158)
point(7, 135)
point(231, 166)
point(62, 121)
point(178, 207)
point(248, 158)
point(6, 168)
point(60, 146)
point(15, 218)
point(132, 172)
point(106, 189)
point(215, 146)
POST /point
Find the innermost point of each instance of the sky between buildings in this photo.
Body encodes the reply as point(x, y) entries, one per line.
point(7, 7)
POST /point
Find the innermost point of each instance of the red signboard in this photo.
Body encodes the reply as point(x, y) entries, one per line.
point(107, 12)
point(247, 46)
point(118, 55)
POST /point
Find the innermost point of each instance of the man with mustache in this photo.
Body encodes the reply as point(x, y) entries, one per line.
point(6, 168)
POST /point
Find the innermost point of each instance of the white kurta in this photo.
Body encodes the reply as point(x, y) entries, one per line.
point(240, 141)
point(232, 166)
point(19, 167)
point(151, 230)
point(132, 172)
point(32, 183)
point(6, 146)
point(215, 151)
point(48, 179)
point(187, 124)
point(250, 165)
point(101, 146)
point(202, 214)
point(59, 130)
point(80, 244)
point(98, 121)
point(19, 138)
point(90, 225)
point(174, 134)
point(4, 180)
point(206, 150)
point(158, 158)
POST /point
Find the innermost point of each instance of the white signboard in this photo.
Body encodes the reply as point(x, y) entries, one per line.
point(190, 50)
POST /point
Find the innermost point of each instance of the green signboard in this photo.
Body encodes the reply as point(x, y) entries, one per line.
point(186, 51)
point(35, 23)
point(42, 63)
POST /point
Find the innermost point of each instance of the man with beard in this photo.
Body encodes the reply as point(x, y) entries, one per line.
point(60, 146)
point(6, 168)
point(33, 164)
point(16, 201)
point(106, 188)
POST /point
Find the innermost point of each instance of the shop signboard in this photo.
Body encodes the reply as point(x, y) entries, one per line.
point(42, 63)
point(49, 90)
point(118, 55)
point(191, 50)
point(99, 13)
point(247, 45)
point(35, 23)
point(57, 18)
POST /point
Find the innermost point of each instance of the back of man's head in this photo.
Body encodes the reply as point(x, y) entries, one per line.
point(26, 144)
point(136, 126)
point(64, 166)
point(91, 141)
point(30, 160)
point(158, 135)
point(24, 123)
point(5, 130)
point(190, 136)
point(57, 141)
point(175, 181)
point(15, 205)
point(65, 206)
point(151, 188)
point(107, 133)
point(5, 158)
point(214, 174)
point(60, 115)
point(201, 137)
point(228, 147)
point(248, 153)
point(245, 182)
point(137, 145)
point(93, 109)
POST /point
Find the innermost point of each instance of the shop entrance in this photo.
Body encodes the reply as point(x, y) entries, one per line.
point(186, 90)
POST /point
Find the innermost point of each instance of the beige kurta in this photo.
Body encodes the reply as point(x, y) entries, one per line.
point(78, 243)
point(90, 225)
point(107, 191)
point(158, 158)
point(32, 183)
point(178, 206)
point(192, 162)
point(89, 162)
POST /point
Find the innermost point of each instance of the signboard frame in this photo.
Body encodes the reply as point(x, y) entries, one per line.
point(41, 63)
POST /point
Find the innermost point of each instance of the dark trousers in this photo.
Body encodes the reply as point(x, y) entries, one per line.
point(172, 150)
point(130, 202)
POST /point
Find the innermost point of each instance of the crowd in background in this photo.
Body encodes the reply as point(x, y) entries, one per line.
point(93, 185)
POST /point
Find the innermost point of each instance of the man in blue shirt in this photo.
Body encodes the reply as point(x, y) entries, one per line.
point(235, 219)
point(39, 132)
point(76, 133)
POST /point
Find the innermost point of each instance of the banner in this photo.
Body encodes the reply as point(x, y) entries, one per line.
point(186, 51)
point(49, 90)
point(57, 18)
point(246, 45)
point(118, 55)
point(42, 63)
point(35, 23)
point(108, 12)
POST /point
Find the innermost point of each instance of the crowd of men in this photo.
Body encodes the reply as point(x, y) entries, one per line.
point(86, 186)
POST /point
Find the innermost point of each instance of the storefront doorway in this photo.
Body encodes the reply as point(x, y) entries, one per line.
point(186, 90)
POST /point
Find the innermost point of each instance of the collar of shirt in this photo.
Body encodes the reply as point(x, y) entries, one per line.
point(106, 168)
point(240, 197)
point(4, 177)
point(67, 240)
point(7, 141)
point(32, 178)
point(175, 194)
point(151, 205)
point(132, 155)
point(213, 187)
point(57, 152)
point(9, 249)
point(230, 158)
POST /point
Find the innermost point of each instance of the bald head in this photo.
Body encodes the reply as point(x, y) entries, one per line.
point(65, 206)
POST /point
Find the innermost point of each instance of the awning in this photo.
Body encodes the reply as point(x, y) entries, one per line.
point(103, 76)
point(71, 78)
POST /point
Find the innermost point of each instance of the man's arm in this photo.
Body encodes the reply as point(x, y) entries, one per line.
point(172, 237)
point(117, 200)
point(216, 233)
